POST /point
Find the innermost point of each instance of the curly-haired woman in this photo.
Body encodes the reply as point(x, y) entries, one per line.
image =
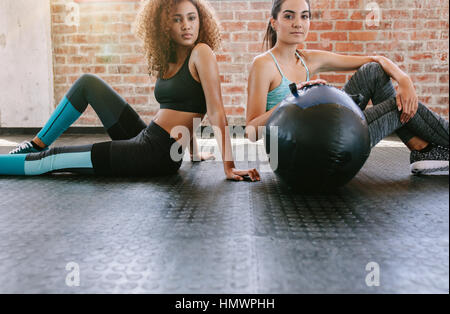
point(179, 38)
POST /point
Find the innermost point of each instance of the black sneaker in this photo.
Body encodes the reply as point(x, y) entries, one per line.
point(26, 147)
point(432, 160)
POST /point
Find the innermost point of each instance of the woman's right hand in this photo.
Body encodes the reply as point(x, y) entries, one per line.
point(239, 175)
point(308, 83)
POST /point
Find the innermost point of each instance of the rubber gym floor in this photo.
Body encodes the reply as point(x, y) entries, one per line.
point(195, 232)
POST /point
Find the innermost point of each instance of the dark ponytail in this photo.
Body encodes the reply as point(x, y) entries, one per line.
point(270, 39)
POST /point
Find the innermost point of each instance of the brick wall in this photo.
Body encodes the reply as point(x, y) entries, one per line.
point(412, 33)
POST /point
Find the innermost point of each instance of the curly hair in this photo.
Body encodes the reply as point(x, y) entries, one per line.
point(153, 28)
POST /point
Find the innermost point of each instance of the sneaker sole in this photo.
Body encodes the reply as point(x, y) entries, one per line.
point(429, 166)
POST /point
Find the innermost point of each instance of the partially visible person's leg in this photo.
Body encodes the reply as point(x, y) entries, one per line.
point(384, 119)
point(147, 154)
point(59, 159)
point(372, 82)
point(117, 116)
point(426, 135)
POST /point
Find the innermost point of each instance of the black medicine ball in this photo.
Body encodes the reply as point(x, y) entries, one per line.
point(323, 138)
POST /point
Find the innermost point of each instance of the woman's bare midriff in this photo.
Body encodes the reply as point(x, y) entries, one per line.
point(169, 119)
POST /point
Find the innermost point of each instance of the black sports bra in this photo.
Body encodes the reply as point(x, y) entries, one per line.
point(181, 92)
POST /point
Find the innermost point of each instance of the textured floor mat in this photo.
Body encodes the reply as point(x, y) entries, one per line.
point(194, 232)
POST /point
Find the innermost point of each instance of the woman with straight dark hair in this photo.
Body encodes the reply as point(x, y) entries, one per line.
point(423, 132)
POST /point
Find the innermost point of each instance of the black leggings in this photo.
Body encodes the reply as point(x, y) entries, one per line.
point(135, 149)
point(383, 118)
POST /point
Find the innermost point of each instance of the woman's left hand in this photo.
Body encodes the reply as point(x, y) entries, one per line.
point(238, 175)
point(202, 156)
point(407, 100)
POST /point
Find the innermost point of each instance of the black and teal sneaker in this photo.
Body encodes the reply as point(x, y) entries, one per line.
point(27, 147)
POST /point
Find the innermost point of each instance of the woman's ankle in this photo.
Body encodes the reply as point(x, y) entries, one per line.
point(417, 144)
point(38, 143)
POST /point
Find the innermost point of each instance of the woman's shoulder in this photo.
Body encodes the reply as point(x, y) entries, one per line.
point(313, 58)
point(263, 61)
point(202, 50)
point(310, 54)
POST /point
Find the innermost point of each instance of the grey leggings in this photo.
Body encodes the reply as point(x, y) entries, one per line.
point(372, 82)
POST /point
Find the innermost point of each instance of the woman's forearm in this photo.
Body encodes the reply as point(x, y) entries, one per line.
point(391, 69)
point(222, 135)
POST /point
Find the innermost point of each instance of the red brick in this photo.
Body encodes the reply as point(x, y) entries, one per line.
point(415, 68)
point(255, 47)
point(436, 68)
point(78, 60)
point(234, 5)
point(388, 14)
point(342, 47)
point(265, 6)
point(423, 35)
point(233, 89)
point(327, 46)
point(93, 69)
point(226, 78)
point(335, 15)
point(429, 14)
point(120, 69)
point(425, 78)
point(65, 50)
point(338, 36)
point(234, 26)
point(349, 25)
point(257, 26)
point(422, 56)
point(107, 59)
point(63, 29)
point(91, 49)
point(245, 37)
point(142, 90)
point(442, 111)
point(443, 78)
point(133, 59)
point(230, 68)
point(358, 15)
point(312, 36)
point(233, 110)
point(136, 79)
point(60, 70)
point(118, 28)
point(60, 59)
point(442, 100)
point(223, 57)
point(250, 15)
point(128, 39)
point(362, 36)
point(233, 47)
point(58, 8)
point(321, 26)
point(223, 16)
